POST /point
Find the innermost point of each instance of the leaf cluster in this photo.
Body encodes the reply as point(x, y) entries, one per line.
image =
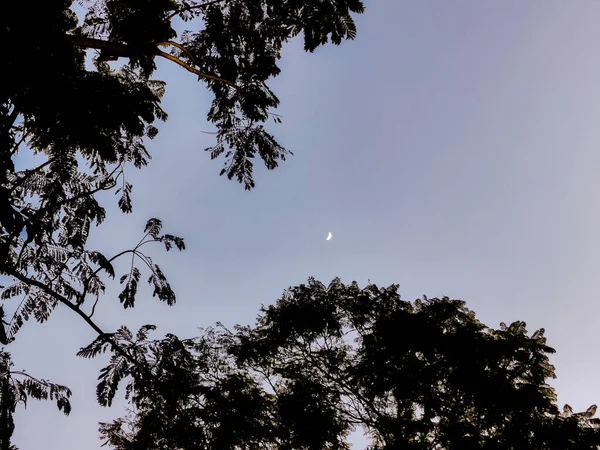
point(17, 387)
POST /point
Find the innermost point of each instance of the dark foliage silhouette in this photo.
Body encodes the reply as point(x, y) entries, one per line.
point(71, 130)
point(324, 361)
point(17, 387)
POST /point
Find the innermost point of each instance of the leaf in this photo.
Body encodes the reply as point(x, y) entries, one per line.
point(123, 334)
point(14, 290)
point(97, 346)
point(162, 289)
point(44, 390)
point(169, 240)
point(110, 377)
point(57, 253)
point(142, 333)
point(153, 227)
point(151, 131)
point(127, 296)
point(37, 304)
point(125, 200)
point(538, 334)
point(99, 259)
point(590, 411)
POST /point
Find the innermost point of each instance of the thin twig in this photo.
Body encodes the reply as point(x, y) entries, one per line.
point(15, 148)
point(94, 306)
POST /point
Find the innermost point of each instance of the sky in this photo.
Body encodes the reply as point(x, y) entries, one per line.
point(452, 148)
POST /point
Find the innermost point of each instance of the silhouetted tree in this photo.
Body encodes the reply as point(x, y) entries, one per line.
point(70, 130)
point(16, 387)
point(324, 360)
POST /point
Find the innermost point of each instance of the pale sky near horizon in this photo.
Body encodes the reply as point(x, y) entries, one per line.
point(453, 148)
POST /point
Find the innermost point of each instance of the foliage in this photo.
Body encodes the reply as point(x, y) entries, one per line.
point(70, 130)
point(17, 387)
point(324, 361)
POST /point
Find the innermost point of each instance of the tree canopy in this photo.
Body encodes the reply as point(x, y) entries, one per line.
point(72, 124)
point(326, 360)
point(321, 362)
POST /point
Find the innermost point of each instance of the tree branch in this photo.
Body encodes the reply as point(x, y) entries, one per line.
point(62, 299)
point(37, 380)
point(192, 70)
point(15, 148)
point(88, 279)
point(13, 116)
point(28, 173)
point(113, 48)
point(127, 51)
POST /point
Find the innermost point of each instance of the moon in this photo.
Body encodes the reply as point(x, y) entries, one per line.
point(329, 236)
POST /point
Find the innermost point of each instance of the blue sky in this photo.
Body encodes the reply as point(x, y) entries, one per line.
point(453, 148)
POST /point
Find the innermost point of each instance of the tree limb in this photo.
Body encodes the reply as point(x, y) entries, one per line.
point(128, 51)
point(65, 301)
point(30, 172)
point(194, 71)
point(113, 48)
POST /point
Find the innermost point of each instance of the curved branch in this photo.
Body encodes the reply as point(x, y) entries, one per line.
point(62, 299)
point(94, 307)
point(127, 51)
point(37, 380)
point(180, 47)
point(195, 71)
point(88, 279)
point(112, 48)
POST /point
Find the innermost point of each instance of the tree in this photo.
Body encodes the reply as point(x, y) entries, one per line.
point(81, 127)
point(17, 387)
point(324, 360)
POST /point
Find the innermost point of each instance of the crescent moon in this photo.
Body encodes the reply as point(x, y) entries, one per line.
point(329, 236)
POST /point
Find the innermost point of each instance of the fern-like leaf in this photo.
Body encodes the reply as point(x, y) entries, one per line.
point(123, 334)
point(110, 377)
point(37, 304)
point(162, 288)
point(127, 296)
point(125, 200)
point(142, 333)
point(13, 290)
point(153, 227)
point(97, 346)
point(102, 262)
point(43, 390)
point(169, 240)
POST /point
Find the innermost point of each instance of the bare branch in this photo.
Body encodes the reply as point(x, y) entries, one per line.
point(195, 71)
point(127, 51)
